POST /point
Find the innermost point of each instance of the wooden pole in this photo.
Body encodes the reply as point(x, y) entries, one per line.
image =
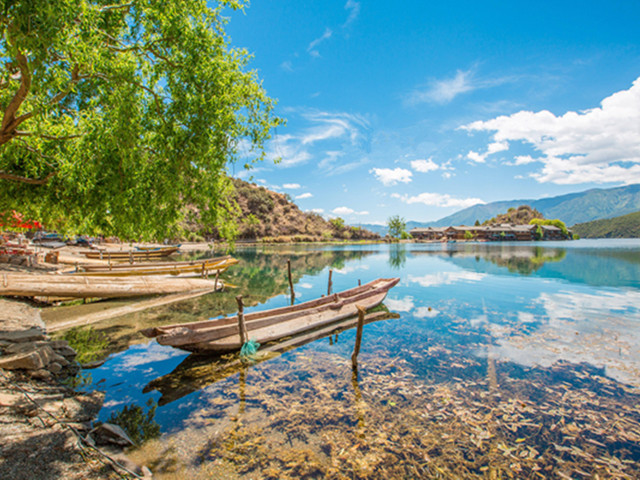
point(329, 286)
point(293, 294)
point(215, 285)
point(356, 349)
point(241, 326)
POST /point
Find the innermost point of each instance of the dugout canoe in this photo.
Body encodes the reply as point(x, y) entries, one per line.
point(217, 336)
point(196, 372)
point(129, 255)
point(209, 266)
point(65, 286)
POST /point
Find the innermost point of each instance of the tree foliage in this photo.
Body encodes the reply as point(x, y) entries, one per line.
point(397, 226)
point(555, 222)
point(115, 116)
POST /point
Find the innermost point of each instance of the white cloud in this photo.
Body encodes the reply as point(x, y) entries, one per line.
point(291, 186)
point(424, 166)
point(319, 211)
point(438, 200)
point(354, 11)
point(347, 129)
point(596, 145)
point(390, 177)
point(312, 46)
point(400, 305)
point(303, 196)
point(446, 278)
point(287, 66)
point(597, 328)
point(494, 147)
point(347, 211)
point(426, 312)
point(443, 91)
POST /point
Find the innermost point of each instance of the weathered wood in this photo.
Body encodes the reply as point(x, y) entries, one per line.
point(130, 255)
point(222, 335)
point(43, 285)
point(293, 294)
point(356, 349)
point(242, 328)
point(198, 268)
point(329, 286)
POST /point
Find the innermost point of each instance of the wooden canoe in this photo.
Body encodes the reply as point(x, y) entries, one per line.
point(210, 266)
point(197, 372)
point(222, 335)
point(43, 285)
point(129, 255)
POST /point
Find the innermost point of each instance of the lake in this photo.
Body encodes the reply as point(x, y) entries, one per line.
point(505, 360)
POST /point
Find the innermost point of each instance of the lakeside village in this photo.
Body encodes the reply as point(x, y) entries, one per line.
point(492, 233)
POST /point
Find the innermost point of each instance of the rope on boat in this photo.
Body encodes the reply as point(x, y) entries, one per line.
point(249, 349)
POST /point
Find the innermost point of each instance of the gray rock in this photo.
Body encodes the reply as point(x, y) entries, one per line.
point(61, 347)
point(41, 374)
point(33, 360)
point(20, 336)
point(59, 359)
point(108, 433)
point(16, 315)
point(24, 347)
point(54, 367)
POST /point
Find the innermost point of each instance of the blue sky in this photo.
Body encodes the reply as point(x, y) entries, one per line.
point(422, 108)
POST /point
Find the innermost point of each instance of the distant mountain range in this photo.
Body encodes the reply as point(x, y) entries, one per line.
point(594, 204)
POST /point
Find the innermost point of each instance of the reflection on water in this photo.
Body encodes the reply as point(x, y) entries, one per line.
point(506, 361)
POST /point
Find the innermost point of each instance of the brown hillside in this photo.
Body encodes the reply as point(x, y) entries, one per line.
point(271, 216)
point(517, 216)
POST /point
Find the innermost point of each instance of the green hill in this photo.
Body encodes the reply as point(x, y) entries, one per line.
point(626, 226)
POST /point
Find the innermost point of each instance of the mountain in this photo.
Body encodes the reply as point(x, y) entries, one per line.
point(270, 216)
point(626, 226)
point(594, 204)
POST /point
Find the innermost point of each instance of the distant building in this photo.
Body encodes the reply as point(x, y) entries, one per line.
point(491, 233)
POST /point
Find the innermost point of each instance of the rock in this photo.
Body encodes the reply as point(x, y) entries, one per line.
point(54, 367)
point(109, 433)
point(41, 374)
point(84, 408)
point(11, 400)
point(20, 336)
point(19, 316)
point(61, 347)
point(60, 360)
point(33, 360)
point(24, 347)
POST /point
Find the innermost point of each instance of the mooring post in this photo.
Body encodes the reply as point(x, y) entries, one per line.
point(329, 286)
point(356, 349)
point(241, 326)
point(215, 285)
point(359, 282)
point(293, 294)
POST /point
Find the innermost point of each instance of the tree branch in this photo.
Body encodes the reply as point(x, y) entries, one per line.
point(21, 94)
point(21, 179)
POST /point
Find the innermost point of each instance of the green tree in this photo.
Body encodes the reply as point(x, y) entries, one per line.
point(468, 235)
point(397, 226)
point(138, 424)
point(118, 115)
point(337, 224)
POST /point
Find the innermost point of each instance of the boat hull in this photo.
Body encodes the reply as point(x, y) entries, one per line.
point(175, 269)
point(222, 335)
